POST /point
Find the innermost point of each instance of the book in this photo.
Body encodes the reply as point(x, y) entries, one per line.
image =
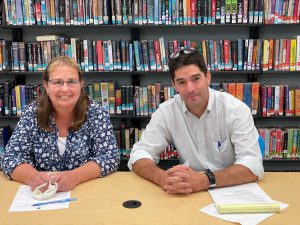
point(111, 97)
point(254, 97)
point(1, 13)
point(297, 102)
point(104, 95)
point(4, 137)
point(47, 38)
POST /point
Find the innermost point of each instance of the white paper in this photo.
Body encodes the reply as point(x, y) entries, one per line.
point(23, 201)
point(249, 193)
point(244, 219)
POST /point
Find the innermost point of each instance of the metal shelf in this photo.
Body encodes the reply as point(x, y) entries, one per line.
point(137, 26)
point(163, 164)
point(129, 117)
point(282, 165)
point(269, 165)
point(276, 117)
point(149, 117)
point(277, 72)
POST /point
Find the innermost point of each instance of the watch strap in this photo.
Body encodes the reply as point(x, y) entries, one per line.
point(211, 178)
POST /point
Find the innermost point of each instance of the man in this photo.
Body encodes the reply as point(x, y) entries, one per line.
point(211, 130)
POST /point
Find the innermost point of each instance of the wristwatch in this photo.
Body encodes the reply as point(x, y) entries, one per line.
point(211, 178)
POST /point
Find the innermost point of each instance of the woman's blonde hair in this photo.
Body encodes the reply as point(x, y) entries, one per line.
point(44, 104)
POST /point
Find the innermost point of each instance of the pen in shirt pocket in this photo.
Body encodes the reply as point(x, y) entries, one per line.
point(219, 144)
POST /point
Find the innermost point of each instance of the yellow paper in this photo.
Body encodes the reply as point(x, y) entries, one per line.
point(249, 208)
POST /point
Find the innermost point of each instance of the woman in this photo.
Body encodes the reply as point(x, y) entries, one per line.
point(63, 132)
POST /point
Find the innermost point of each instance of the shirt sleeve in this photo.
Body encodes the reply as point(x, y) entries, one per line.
point(154, 140)
point(19, 147)
point(104, 150)
point(245, 140)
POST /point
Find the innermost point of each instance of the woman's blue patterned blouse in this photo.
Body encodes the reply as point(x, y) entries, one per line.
point(94, 141)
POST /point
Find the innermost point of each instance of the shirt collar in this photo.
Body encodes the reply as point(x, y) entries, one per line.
point(210, 103)
point(211, 100)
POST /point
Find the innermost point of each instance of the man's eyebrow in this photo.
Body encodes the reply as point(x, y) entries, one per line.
point(195, 75)
point(179, 79)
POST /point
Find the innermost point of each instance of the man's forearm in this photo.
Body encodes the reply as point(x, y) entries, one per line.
point(234, 175)
point(147, 169)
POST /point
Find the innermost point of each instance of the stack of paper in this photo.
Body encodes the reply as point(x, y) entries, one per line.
point(246, 204)
point(245, 198)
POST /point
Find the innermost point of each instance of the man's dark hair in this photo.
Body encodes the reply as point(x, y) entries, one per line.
point(186, 57)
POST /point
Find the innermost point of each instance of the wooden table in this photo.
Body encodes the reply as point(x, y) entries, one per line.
point(100, 202)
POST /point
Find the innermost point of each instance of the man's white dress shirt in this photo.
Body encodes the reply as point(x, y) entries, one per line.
point(223, 136)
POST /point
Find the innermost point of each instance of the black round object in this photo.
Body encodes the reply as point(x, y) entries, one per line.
point(131, 204)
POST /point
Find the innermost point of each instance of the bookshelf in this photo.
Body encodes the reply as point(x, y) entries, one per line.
point(169, 32)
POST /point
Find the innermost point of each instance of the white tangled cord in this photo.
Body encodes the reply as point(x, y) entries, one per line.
point(51, 190)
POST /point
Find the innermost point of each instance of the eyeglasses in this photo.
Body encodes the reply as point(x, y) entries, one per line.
point(181, 51)
point(58, 83)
